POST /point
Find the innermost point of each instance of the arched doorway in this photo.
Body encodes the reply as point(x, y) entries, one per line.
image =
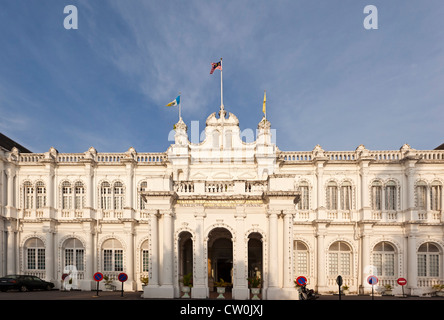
point(220, 256)
point(185, 254)
point(255, 267)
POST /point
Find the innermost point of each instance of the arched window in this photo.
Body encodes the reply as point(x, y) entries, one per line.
point(428, 260)
point(228, 140)
point(421, 195)
point(74, 254)
point(339, 259)
point(332, 196)
point(41, 194)
point(346, 196)
point(145, 257)
point(377, 195)
point(436, 196)
point(216, 138)
point(302, 259)
point(105, 196)
point(79, 191)
point(304, 203)
point(35, 254)
point(118, 196)
point(142, 201)
point(112, 253)
point(384, 259)
point(28, 191)
point(66, 195)
point(390, 196)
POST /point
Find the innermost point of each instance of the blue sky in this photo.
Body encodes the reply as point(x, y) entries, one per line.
point(329, 81)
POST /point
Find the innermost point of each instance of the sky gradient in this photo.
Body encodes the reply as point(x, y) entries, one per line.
point(329, 81)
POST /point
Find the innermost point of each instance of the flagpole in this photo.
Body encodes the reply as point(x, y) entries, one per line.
point(180, 115)
point(221, 87)
point(265, 106)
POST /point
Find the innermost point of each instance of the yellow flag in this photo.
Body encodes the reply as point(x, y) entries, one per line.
point(263, 108)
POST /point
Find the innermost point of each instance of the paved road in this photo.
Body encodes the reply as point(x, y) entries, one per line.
point(114, 306)
point(116, 295)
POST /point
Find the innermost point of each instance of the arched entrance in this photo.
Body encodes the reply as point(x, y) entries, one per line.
point(255, 266)
point(185, 254)
point(220, 256)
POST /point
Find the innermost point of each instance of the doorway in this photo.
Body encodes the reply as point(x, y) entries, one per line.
point(220, 257)
point(255, 267)
point(185, 254)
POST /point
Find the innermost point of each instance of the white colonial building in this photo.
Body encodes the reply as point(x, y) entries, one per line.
point(225, 208)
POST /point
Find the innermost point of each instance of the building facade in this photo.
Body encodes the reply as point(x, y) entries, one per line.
point(225, 209)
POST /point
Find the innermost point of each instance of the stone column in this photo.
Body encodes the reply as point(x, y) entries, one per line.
point(88, 229)
point(130, 284)
point(240, 289)
point(129, 201)
point(10, 199)
point(365, 258)
point(199, 289)
point(412, 260)
point(320, 196)
point(274, 267)
point(168, 249)
point(51, 191)
point(154, 251)
point(89, 172)
point(11, 247)
point(50, 254)
point(288, 248)
point(365, 200)
point(321, 264)
point(273, 279)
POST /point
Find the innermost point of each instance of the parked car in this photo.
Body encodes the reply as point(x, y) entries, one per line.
point(24, 283)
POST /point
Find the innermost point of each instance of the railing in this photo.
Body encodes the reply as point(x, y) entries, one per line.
point(339, 215)
point(384, 155)
point(30, 157)
point(184, 187)
point(151, 157)
point(346, 280)
point(385, 215)
point(38, 273)
point(385, 280)
point(302, 215)
point(70, 157)
point(428, 282)
point(296, 156)
point(254, 186)
point(341, 156)
point(112, 214)
point(143, 158)
point(287, 156)
point(219, 187)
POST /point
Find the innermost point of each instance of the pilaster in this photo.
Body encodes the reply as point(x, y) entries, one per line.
point(240, 290)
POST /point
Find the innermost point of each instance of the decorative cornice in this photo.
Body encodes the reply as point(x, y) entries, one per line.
point(295, 195)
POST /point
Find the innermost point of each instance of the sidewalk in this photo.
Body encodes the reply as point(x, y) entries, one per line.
point(116, 295)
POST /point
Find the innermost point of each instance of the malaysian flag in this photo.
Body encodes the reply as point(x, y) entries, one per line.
point(216, 65)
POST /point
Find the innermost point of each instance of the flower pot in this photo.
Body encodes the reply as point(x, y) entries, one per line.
point(440, 293)
point(221, 291)
point(255, 292)
point(186, 290)
point(109, 287)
